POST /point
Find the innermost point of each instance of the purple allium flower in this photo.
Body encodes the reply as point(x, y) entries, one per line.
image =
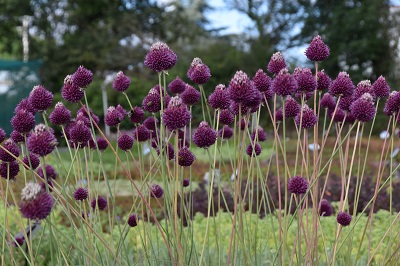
point(177, 86)
point(176, 115)
point(253, 151)
point(279, 114)
point(136, 115)
point(317, 50)
point(50, 172)
point(185, 157)
point(345, 102)
point(2, 135)
point(160, 57)
point(40, 98)
point(141, 133)
point(19, 241)
point(80, 118)
point(363, 86)
point(392, 103)
point(185, 182)
point(204, 136)
point(323, 80)
point(49, 183)
point(80, 133)
point(305, 80)
point(380, 87)
point(258, 134)
point(363, 108)
point(132, 221)
point(121, 109)
point(343, 218)
point(102, 144)
point(350, 118)
point(308, 118)
point(243, 124)
point(84, 110)
point(225, 132)
point(262, 81)
point(327, 101)
point(226, 117)
point(100, 203)
point(60, 115)
point(11, 147)
point(9, 169)
point(276, 63)
point(268, 95)
point(113, 117)
point(198, 72)
point(325, 208)
point(238, 108)
point(339, 115)
point(121, 82)
point(41, 141)
point(150, 123)
point(18, 137)
point(342, 85)
point(152, 102)
point(156, 191)
point(219, 98)
point(23, 121)
point(241, 89)
point(253, 102)
point(33, 159)
point(36, 203)
point(125, 142)
point(292, 108)
point(190, 96)
point(297, 185)
point(169, 150)
point(284, 84)
point(25, 105)
point(81, 194)
point(70, 91)
point(82, 77)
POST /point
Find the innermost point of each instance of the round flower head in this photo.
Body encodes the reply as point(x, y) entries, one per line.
point(84, 111)
point(60, 115)
point(198, 72)
point(204, 136)
point(253, 151)
point(297, 185)
point(258, 134)
point(100, 203)
point(150, 123)
point(339, 115)
point(36, 203)
point(12, 148)
point(156, 191)
point(121, 109)
point(345, 102)
point(237, 108)
point(241, 89)
point(50, 172)
point(81, 194)
point(242, 124)
point(268, 95)
point(48, 184)
point(176, 115)
point(343, 218)
point(253, 102)
point(380, 87)
point(80, 133)
point(9, 170)
point(363, 108)
point(279, 114)
point(70, 91)
point(350, 118)
point(262, 81)
point(292, 108)
point(2, 135)
point(80, 118)
point(185, 157)
point(226, 132)
point(152, 102)
point(32, 161)
point(323, 80)
point(190, 96)
point(327, 101)
point(121, 82)
point(18, 137)
point(40, 98)
point(363, 86)
point(276, 63)
point(136, 115)
point(25, 105)
point(325, 208)
point(141, 133)
point(125, 142)
point(305, 80)
point(19, 241)
point(170, 151)
point(160, 57)
point(132, 221)
point(317, 50)
point(226, 117)
point(219, 98)
point(113, 117)
point(284, 84)
point(308, 118)
point(342, 85)
point(82, 77)
point(177, 86)
point(392, 103)
point(23, 121)
point(41, 141)
point(185, 182)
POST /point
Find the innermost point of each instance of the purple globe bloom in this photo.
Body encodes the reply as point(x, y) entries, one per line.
point(308, 118)
point(380, 87)
point(343, 218)
point(9, 169)
point(170, 151)
point(392, 104)
point(12, 148)
point(60, 115)
point(18, 137)
point(262, 81)
point(253, 150)
point(160, 57)
point(50, 172)
point(241, 89)
point(226, 117)
point(204, 136)
point(121, 82)
point(102, 144)
point(85, 111)
point(284, 84)
point(258, 135)
point(70, 91)
point(133, 220)
point(40, 98)
point(363, 108)
point(152, 102)
point(362, 87)
point(136, 115)
point(268, 95)
point(339, 115)
point(190, 96)
point(345, 102)
point(276, 63)
point(328, 101)
point(185, 182)
point(113, 117)
point(279, 114)
point(23, 121)
point(185, 157)
point(2, 135)
point(48, 184)
point(225, 132)
point(156, 191)
point(292, 108)
point(32, 161)
point(305, 80)
point(125, 142)
point(36, 203)
point(41, 141)
point(80, 133)
point(25, 105)
point(176, 115)
point(120, 109)
point(198, 72)
point(342, 85)
point(141, 133)
point(80, 118)
point(325, 208)
point(238, 108)
point(317, 50)
point(298, 185)
point(350, 118)
point(100, 203)
point(323, 80)
point(82, 77)
point(81, 194)
point(19, 241)
point(177, 86)
point(219, 98)
point(150, 123)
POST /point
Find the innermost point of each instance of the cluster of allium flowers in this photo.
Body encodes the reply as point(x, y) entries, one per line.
point(136, 115)
point(9, 170)
point(241, 90)
point(219, 98)
point(325, 208)
point(99, 202)
point(36, 203)
point(177, 86)
point(276, 63)
point(226, 117)
point(380, 87)
point(121, 82)
point(343, 218)
point(141, 133)
point(253, 149)
point(305, 80)
point(70, 91)
point(50, 172)
point(262, 81)
point(298, 185)
point(2, 135)
point(317, 50)
point(60, 115)
point(125, 142)
point(258, 134)
point(392, 104)
point(113, 117)
point(204, 136)
point(307, 116)
point(25, 105)
point(176, 115)
point(185, 182)
point(40, 98)
point(160, 57)
point(225, 132)
point(185, 157)
point(292, 108)
point(156, 191)
point(81, 194)
point(284, 84)
point(190, 96)
point(198, 72)
point(363, 108)
point(323, 80)
point(32, 161)
point(23, 121)
point(82, 77)
point(10, 146)
point(342, 85)
point(80, 134)
point(132, 221)
point(42, 141)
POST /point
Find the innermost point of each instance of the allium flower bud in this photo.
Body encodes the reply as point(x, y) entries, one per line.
point(342, 85)
point(176, 115)
point(185, 182)
point(219, 98)
point(253, 151)
point(190, 96)
point(204, 136)
point(198, 72)
point(156, 191)
point(70, 91)
point(125, 142)
point(50, 172)
point(150, 123)
point(25, 105)
point(121, 82)
point(226, 117)
point(160, 57)
point(136, 115)
point(276, 63)
point(9, 169)
point(243, 124)
point(279, 114)
point(82, 77)
point(81, 194)
point(298, 185)
point(100, 203)
point(323, 80)
point(380, 87)
point(80, 133)
point(2, 135)
point(40, 98)
point(305, 80)
point(60, 115)
point(18, 137)
point(185, 157)
point(36, 203)
point(292, 108)
point(327, 101)
point(113, 117)
point(258, 134)
point(102, 144)
point(392, 103)
point(23, 121)
point(11, 147)
point(19, 241)
point(177, 86)
point(284, 84)
point(262, 81)
point(225, 132)
point(363, 108)
point(133, 220)
point(41, 141)
point(317, 50)
point(241, 89)
point(308, 118)
point(141, 133)
point(343, 218)
point(325, 208)
point(32, 162)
